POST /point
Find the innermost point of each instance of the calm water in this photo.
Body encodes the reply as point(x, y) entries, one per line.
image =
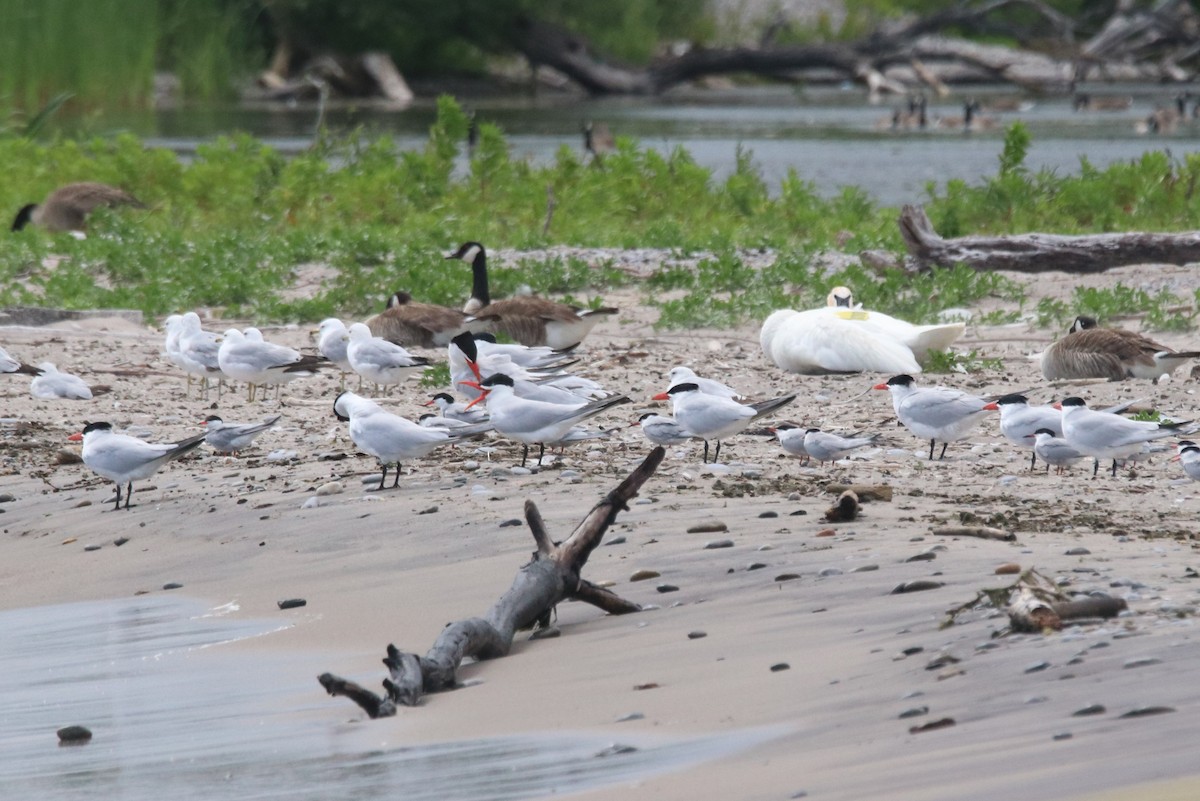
point(832, 138)
point(176, 713)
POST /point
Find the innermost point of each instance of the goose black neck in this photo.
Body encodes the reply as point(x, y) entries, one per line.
point(479, 285)
point(24, 216)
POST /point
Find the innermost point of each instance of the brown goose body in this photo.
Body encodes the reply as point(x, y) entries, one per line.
point(1089, 351)
point(529, 320)
point(411, 324)
point(67, 208)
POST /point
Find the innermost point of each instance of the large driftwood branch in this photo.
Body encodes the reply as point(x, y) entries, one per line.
point(1034, 253)
point(551, 576)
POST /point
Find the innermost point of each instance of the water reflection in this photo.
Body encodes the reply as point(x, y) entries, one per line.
point(175, 717)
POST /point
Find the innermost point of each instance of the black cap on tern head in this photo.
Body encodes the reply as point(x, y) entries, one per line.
point(97, 427)
point(1074, 402)
point(447, 397)
point(1189, 449)
point(786, 426)
point(685, 387)
point(337, 411)
point(212, 418)
point(644, 416)
point(485, 337)
point(810, 430)
point(1011, 399)
point(466, 343)
point(496, 380)
point(902, 380)
point(1045, 431)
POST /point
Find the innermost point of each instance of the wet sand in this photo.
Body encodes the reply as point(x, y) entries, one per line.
point(375, 570)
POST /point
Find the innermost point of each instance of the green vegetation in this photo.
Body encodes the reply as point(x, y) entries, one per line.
point(233, 227)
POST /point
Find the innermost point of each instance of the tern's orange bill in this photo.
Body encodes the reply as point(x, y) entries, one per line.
point(991, 407)
point(880, 386)
point(661, 396)
point(76, 437)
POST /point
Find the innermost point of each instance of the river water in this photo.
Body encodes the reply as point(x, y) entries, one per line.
point(831, 137)
point(177, 711)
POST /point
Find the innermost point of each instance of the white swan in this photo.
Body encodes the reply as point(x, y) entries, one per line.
point(844, 338)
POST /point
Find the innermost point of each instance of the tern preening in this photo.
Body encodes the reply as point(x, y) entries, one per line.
point(714, 417)
point(534, 422)
point(225, 437)
point(935, 413)
point(10, 365)
point(528, 320)
point(1088, 351)
point(123, 459)
point(1102, 435)
point(390, 438)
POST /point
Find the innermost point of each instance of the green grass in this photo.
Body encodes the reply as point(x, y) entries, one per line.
point(231, 227)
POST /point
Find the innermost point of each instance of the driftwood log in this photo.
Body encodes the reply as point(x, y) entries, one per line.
point(551, 576)
point(982, 532)
point(1034, 253)
point(1032, 611)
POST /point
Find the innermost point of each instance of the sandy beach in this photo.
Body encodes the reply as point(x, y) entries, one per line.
point(864, 666)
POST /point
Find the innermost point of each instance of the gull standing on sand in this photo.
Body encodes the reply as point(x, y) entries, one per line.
point(332, 341)
point(196, 350)
point(1101, 435)
point(714, 417)
point(225, 437)
point(390, 438)
point(123, 459)
point(379, 361)
point(935, 413)
point(247, 357)
point(50, 384)
point(533, 422)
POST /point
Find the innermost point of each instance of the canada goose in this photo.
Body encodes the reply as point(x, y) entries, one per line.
point(915, 117)
point(1083, 101)
point(67, 208)
point(971, 120)
point(422, 325)
point(598, 139)
point(527, 320)
point(1088, 351)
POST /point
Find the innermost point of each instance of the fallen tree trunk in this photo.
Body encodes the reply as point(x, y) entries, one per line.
point(551, 576)
point(1035, 253)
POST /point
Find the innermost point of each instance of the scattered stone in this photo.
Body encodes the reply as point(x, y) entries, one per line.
point(617, 540)
point(69, 540)
point(913, 650)
point(512, 521)
point(1090, 709)
point(923, 556)
point(1144, 661)
point(330, 488)
point(697, 635)
point(311, 503)
point(933, 725)
point(92, 547)
point(119, 541)
point(1064, 735)
point(429, 510)
point(520, 471)
point(667, 588)
point(650, 685)
point(6, 497)
point(914, 712)
point(172, 585)
point(864, 568)
point(1008, 569)
point(642, 575)
point(830, 571)
point(614, 750)
point(547, 633)
point(1078, 551)
point(919, 585)
point(1147, 711)
point(865, 492)
point(797, 513)
point(67, 456)
point(74, 735)
point(712, 545)
point(755, 566)
point(83, 503)
point(825, 532)
point(292, 603)
point(710, 527)
point(787, 577)
point(631, 716)
point(942, 661)
point(1037, 667)
point(766, 515)
point(282, 456)
point(778, 666)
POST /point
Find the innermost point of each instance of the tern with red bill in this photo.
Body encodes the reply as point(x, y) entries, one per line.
point(123, 459)
point(534, 422)
point(713, 417)
point(1189, 458)
point(390, 438)
point(225, 437)
point(1101, 435)
point(935, 413)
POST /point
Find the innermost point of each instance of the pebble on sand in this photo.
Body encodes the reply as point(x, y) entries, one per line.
point(916, 586)
point(1008, 569)
point(697, 635)
point(172, 585)
point(292, 603)
point(74, 735)
point(708, 527)
point(642, 575)
point(778, 666)
point(330, 488)
point(667, 588)
point(714, 544)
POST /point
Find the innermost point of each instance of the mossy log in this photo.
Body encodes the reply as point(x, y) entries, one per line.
point(551, 576)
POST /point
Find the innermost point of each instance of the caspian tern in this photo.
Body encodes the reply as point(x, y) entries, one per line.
point(714, 417)
point(471, 359)
point(232, 437)
point(663, 430)
point(123, 459)
point(1019, 421)
point(1189, 458)
point(826, 447)
point(332, 340)
point(246, 357)
point(934, 413)
point(1088, 351)
point(528, 320)
point(791, 439)
point(378, 360)
point(1101, 435)
point(454, 410)
point(10, 365)
point(533, 422)
point(709, 386)
point(51, 384)
point(390, 438)
point(1052, 449)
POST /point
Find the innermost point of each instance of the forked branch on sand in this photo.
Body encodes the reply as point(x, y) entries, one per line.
point(552, 575)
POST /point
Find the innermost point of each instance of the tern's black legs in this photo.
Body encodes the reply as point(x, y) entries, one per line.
point(717, 453)
point(128, 496)
point(382, 479)
point(705, 452)
point(524, 454)
point(1033, 461)
point(396, 480)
